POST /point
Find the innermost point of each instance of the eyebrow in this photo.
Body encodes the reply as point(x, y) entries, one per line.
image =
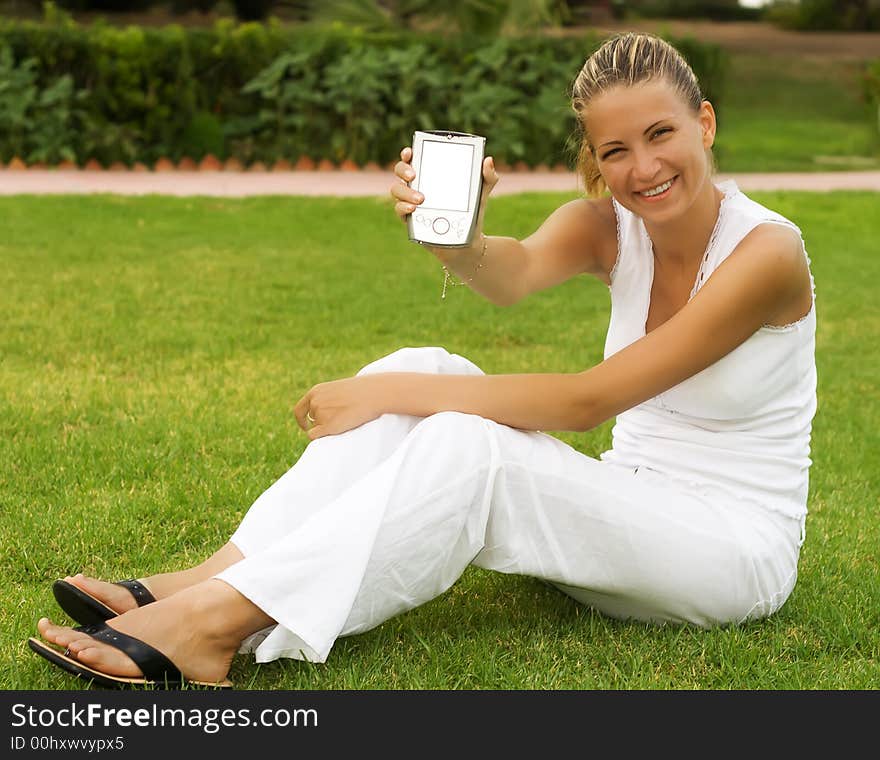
point(620, 142)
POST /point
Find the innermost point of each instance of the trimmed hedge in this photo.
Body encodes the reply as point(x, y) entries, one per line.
point(265, 92)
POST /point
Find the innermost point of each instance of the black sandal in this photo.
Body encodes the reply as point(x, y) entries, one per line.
point(86, 609)
point(158, 671)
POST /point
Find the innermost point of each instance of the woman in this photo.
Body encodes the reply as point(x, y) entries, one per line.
point(421, 464)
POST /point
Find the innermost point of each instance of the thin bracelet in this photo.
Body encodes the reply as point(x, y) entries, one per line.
point(448, 279)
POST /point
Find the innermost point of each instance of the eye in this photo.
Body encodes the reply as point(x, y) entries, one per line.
point(611, 153)
point(661, 131)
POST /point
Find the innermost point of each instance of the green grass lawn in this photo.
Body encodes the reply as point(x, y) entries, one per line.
point(153, 348)
point(784, 113)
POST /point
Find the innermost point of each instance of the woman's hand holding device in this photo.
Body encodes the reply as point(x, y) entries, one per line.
point(409, 199)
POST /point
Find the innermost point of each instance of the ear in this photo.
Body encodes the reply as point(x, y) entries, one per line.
point(708, 124)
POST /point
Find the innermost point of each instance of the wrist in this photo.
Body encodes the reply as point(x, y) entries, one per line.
point(402, 393)
point(460, 256)
point(473, 266)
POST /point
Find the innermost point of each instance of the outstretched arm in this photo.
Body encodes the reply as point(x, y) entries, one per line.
point(579, 237)
point(762, 281)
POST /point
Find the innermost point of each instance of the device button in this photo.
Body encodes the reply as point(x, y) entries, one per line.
point(441, 225)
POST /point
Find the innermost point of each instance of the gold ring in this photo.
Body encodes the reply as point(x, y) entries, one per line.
point(310, 418)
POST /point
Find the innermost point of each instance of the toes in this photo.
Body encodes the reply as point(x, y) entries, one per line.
point(85, 649)
point(77, 645)
point(114, 596)
point(105, 658)
point(78, 580)
point(57, 634)
point(91, 585)
point(87, 583)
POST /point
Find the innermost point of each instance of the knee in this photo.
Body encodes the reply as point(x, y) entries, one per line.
point(430, 359)
point(447, 432)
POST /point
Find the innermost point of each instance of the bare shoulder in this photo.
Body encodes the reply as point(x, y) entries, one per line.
point(601, 210)
point(578, 237)
point(594, 220)
point(772, 256)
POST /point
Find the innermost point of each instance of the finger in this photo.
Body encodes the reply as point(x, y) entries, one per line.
point(490, 179)
point(300, 410)
point(406, 154)
point(404, 171)
point(316, 432)
point(403, 210)
point(405, 193)
point(407, 200)
point(490, 174)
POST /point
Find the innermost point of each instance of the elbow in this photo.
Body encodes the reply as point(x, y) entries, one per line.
point(509, 301)
point(589, 412)
point(586, 422)
point(503, 301)
point(511, 298)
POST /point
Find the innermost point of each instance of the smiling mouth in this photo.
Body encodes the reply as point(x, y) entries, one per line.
point(658, 190)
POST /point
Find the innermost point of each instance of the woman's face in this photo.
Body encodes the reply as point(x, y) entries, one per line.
point(650, 147)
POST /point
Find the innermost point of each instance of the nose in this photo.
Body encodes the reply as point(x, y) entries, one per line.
point(646, 165)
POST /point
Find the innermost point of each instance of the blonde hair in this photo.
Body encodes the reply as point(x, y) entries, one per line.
point(627, 59)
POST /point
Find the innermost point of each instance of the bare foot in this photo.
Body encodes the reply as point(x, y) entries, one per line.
point(202, 648)
point(117, 598)
point(162, 585)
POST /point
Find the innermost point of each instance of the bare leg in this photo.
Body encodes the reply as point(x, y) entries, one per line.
point(199, 628)
point(161, 585)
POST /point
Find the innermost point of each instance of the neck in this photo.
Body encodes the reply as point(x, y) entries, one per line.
point(682, 241)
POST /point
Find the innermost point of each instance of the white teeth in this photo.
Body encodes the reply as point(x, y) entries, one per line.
point(659, 189)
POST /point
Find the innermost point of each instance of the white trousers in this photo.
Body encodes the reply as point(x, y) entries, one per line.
point(384, 517)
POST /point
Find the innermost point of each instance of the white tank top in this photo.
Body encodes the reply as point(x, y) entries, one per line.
point(743, 424)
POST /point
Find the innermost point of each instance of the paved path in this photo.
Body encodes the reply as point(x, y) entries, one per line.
point(353, 183)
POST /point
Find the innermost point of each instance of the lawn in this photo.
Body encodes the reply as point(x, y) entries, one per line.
point(153, 349)
point(787, 113)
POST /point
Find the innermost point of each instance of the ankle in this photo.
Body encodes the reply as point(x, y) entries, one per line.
point(223, 614)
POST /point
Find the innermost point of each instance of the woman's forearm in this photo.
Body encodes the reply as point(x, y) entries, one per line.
point(497, 274)
point(527, 401)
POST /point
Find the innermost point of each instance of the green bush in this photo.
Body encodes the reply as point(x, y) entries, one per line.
point(263, 92)
point(38, 123)
point(872, 87)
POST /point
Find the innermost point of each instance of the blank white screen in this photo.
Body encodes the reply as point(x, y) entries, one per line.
point(445, 175)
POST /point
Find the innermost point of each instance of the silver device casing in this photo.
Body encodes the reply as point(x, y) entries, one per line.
point(443, 227)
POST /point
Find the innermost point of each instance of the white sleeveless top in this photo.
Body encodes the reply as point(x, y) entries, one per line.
point(743, 424)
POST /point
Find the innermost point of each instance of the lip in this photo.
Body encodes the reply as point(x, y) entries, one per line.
point(661, 196)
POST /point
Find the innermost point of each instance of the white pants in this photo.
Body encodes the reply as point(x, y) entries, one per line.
point(385, 517)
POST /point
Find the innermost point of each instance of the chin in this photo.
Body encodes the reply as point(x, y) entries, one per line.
point(661, 211)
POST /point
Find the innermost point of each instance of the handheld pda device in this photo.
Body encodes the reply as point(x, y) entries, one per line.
point(449, 173)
